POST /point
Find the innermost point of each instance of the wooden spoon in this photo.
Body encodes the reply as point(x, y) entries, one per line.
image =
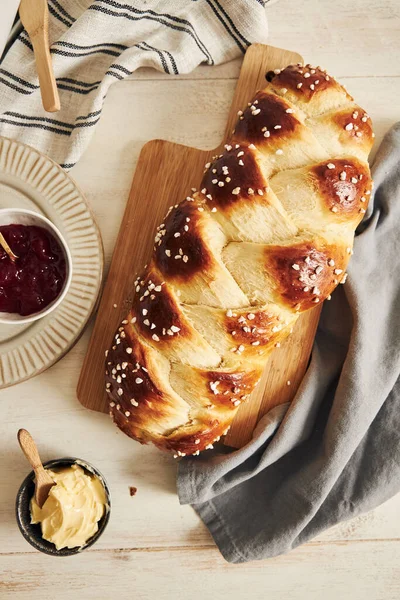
point(34, 15)
point(44, 482)
point(6, 247)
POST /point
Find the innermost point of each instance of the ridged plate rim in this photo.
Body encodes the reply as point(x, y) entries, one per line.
point(57, 196)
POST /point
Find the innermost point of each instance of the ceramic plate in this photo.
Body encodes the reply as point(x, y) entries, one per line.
point(30, 180)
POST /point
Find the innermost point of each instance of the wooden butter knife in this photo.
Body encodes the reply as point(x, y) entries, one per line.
point(44, 482)
point(34, 15)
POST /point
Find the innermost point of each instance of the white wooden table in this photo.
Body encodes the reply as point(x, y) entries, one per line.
point(153, 548)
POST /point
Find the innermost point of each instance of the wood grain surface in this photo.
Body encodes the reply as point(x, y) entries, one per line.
point(164, 175)
point(153, 547)
point(176, 573)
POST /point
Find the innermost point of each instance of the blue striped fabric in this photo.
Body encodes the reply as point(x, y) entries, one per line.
point(97, 42)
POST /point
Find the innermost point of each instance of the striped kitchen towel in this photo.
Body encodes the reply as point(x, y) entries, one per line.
point(96, 43)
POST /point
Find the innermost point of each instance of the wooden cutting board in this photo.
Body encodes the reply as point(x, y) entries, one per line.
point(164, 174)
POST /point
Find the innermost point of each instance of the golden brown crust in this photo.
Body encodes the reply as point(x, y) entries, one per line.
point(310, 87)
point(255, 330)
point(136, 398)
point(235, 175)
point(156, 311)
point(140, 400)
point(354, 128)
point(306, 273)
point(230, 389)
point(267, 120)
point(203, 437)
point(268, 235)
point(344, 184)
point(305, 81)
point(180, 251)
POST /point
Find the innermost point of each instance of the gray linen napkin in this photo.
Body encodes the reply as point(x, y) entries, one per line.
point(335, 451)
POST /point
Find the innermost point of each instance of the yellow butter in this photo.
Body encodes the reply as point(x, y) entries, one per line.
point(70, 515)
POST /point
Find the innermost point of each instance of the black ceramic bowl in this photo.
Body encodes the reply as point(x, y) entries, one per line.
point(33, 533)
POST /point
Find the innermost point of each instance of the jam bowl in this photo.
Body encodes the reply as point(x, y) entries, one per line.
point(36, 282)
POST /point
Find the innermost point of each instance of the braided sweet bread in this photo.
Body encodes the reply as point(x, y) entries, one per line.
point(268, 236)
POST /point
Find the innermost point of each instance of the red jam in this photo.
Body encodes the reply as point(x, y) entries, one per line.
point(37, 277)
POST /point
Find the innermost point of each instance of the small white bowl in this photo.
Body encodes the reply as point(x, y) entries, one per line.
point(20, 216)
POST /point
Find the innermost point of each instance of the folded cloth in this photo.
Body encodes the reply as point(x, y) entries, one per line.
point(335, 451)
point(95, 43)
